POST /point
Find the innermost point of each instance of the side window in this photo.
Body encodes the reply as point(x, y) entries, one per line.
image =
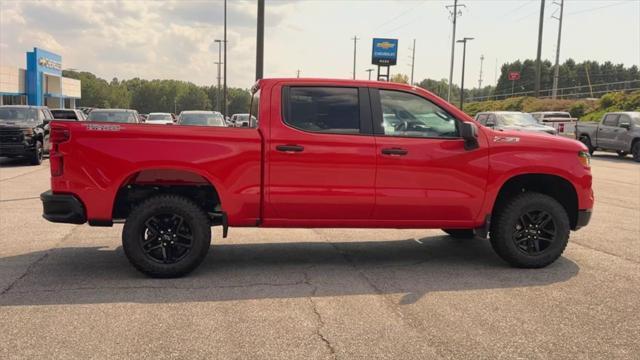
point(41, 116)
point(333, 110)
point(624, 119)
point(611, 120)
point(482, 118)
point(405, 114)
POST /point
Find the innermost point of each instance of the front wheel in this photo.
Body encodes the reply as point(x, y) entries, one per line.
point(635, 151)
point(587, 142)
point(530, 231)
point(38, 152)
point(166, 236)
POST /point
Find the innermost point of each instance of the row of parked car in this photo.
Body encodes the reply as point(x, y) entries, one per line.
point(24, 130)
point(616, 131)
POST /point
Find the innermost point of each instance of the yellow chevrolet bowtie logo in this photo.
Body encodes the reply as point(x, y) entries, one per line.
point(385, 45)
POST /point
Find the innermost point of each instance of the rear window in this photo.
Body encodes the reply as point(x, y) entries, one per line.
point(159, 117)
point(64, 114)
point(202, 119)
point(112, 116)
point(324, 109)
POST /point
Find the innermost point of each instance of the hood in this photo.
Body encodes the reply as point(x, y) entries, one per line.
point(17, 124)
point(533, 140)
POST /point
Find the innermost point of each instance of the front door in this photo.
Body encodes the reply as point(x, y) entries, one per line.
point(607, 131)
point(321, 156)
point(424, 173)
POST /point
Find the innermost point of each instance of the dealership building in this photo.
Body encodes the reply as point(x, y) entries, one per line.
point(41, 83)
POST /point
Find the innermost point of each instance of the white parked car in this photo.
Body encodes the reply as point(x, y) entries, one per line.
point(159, 118)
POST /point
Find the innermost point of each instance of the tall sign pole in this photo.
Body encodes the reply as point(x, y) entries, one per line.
point(224, 91)
point(556, 71)
point(260, 41)
point(538, 62)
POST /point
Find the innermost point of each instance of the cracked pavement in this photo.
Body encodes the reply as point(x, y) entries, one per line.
point(68, 291)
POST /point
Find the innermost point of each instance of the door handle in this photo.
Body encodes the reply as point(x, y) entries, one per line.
point(395, 151)
point(290, 148)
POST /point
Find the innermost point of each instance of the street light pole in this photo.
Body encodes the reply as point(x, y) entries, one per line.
point(219, 65)
point(369, 71)
point(464, 53)
point(260, 41)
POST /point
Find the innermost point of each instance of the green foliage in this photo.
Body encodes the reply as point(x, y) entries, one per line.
point(155, 95)
point(578, 109)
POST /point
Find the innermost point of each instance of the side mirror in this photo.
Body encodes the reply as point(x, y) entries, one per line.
point(469, 132)
point(625, 125)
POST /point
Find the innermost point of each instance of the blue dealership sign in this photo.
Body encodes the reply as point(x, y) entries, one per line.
point(39, 63)
point(385, 51)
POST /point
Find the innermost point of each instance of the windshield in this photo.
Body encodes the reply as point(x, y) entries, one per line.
point(160, 117)
point(202, 119)
point(112, 116)
point(17, 114)
point(517, 119)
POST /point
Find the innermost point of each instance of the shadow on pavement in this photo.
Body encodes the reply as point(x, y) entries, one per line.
point(87, 275)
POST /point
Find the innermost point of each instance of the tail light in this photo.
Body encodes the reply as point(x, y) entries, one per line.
point(57, 136)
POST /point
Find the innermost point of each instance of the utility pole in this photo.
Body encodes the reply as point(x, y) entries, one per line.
point(219, 63)
point(260, 41)
point(369, 71)
point(480, 78)
point(413, 59)
point(586, 68)
point(538, 62)
point(556, 71)
point(298, 73)
point(464, 52)
point(355, 40)
point(454, 14)
point(224, 92)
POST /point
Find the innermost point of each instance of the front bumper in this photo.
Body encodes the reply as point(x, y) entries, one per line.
point(16, 149)
point(584, 216)
point(62, 208)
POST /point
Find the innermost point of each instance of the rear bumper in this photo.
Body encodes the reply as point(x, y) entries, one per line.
point(62, 208)
point(584, 216)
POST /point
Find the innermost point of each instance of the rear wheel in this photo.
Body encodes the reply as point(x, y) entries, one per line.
point(460, 233)
point(635, 150)
point(530, 231)
point(166, 236)
point(36, 157)
point(587, 142)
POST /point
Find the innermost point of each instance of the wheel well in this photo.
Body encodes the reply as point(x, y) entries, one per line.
point(551, 185)
point(633, 143)
point(147, 183)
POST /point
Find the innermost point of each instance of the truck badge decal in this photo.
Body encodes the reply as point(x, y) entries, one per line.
point(102, 127)
point(507, 139)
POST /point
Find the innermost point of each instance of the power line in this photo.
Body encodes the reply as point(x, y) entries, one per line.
point(599, 7)
point(400, 15)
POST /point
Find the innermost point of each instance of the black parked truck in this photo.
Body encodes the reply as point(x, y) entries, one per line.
point(23, 132)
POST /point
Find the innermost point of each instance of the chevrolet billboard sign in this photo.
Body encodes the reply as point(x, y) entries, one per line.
point(385, 52)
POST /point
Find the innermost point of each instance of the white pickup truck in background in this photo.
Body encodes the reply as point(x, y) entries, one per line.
point(562, 121)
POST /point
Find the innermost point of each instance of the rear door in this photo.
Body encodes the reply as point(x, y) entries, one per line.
point(424, 173)
point(607, 131)
point(321, 156)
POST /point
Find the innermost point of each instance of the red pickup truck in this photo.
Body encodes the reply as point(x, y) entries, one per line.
point(325, 153)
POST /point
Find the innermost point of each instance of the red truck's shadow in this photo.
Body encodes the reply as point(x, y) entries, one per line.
point(82, 275)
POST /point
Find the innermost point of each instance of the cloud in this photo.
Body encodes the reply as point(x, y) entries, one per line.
point(146, 39)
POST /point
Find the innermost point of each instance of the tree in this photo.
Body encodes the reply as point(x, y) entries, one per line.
point(400, 78)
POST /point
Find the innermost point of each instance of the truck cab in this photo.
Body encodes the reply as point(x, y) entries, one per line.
point(616, 131)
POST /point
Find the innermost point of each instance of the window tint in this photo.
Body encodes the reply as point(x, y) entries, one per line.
point(324, 109)
point(611, 120)
point(405, 114)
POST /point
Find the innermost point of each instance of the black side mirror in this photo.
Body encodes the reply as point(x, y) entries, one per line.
point(625, 125)
point(469, 132)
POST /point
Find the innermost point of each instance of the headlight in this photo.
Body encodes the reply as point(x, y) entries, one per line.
point(584, 158)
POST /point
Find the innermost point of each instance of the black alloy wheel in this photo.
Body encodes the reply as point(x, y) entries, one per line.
point(166, 238)
point(534, 232)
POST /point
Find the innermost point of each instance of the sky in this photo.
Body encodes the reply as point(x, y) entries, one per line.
point(175, 39)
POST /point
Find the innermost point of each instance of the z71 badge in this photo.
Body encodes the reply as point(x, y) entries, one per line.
point(102, 127)
point(507, 139)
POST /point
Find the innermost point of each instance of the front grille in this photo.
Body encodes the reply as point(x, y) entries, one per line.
point(11, 136)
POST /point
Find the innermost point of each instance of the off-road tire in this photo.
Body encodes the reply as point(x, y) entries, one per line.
point(504, 228)
point(635, 151)
point(135, 228)
point(38, 153)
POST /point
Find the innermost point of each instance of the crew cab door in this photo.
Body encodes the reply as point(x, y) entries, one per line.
point(424, 173)
point(321, 155)
point(607, 131)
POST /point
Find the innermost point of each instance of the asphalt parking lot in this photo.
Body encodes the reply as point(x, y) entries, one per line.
point(68, 292)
